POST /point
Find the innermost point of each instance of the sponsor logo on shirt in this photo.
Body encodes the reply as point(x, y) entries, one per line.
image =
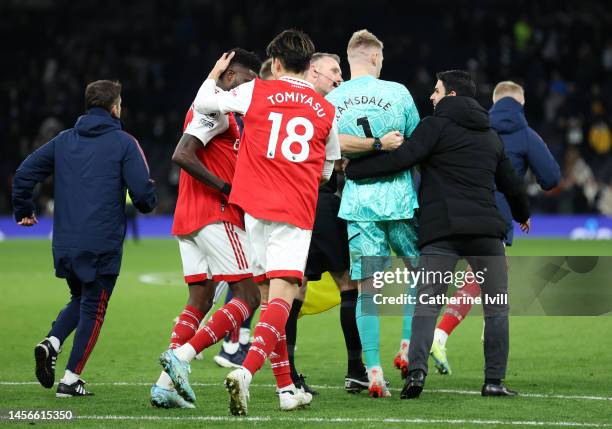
point(207, 122)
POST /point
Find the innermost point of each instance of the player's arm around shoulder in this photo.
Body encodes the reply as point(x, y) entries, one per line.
point(136, 175)
point(350, 144)
point(414, 150)
point(393, 139)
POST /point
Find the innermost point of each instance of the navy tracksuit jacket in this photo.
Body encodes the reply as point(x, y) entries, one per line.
point(525, 148)
point(92, 164)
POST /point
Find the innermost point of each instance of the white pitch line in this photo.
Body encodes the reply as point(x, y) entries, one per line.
point(328, 387)
point(527, 395)
point(349, 420)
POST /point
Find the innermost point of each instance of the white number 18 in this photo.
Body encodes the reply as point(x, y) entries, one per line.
point(292, 137)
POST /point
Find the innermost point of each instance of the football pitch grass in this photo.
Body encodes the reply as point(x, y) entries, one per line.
point(562, 366)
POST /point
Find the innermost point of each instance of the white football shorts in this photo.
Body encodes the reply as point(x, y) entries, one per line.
point(219, 251)
point(277, 249)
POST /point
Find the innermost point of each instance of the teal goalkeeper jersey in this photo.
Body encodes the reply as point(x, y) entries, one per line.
point(370, 107)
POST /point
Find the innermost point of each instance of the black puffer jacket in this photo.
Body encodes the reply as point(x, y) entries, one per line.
point(461, 160)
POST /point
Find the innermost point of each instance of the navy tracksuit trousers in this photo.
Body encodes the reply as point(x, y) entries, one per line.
point(84, 313)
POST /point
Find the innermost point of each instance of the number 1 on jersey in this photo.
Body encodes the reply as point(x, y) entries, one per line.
point(292, 137)
point(365, 124)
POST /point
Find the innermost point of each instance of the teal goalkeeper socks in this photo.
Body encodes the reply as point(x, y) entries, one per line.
point(408, 313)
point(369, 329)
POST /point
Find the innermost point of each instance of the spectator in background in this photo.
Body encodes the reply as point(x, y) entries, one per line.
point(574, 135)
point(600, 138)
point(579, 185)
point(504, 38)
point(522, 34)
point(604, 204)
point(606, 57)
point(557, 96)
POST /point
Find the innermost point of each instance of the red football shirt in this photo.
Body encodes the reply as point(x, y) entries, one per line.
point(289, 131)
point(198, 204)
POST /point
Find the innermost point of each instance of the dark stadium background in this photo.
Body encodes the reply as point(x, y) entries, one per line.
point(561, 51)
point(161, 51)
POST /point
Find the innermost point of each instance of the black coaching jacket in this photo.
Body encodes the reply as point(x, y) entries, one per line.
point(462, 160)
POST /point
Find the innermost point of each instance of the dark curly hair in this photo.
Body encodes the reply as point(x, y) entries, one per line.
point(245, 58)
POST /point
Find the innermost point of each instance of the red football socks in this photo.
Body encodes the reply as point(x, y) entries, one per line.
point(268, 332)
point(279, 360)
point(455, 313)
point(186, 327)
point(225, 319)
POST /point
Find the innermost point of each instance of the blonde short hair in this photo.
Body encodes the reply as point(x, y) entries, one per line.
point(265, 72)
point(507, 88)
point(363, 39)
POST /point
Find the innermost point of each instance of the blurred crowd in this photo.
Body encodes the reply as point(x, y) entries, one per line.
point(560, 51)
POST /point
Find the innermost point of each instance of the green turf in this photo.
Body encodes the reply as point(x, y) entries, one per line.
point(549, 356)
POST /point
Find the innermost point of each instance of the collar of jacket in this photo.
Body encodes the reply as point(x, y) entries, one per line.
point(96, 121)
point(507, 116)
point(99, 111)
point(464, 111)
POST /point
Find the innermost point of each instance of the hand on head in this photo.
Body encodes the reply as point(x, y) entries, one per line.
point(221, 65)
